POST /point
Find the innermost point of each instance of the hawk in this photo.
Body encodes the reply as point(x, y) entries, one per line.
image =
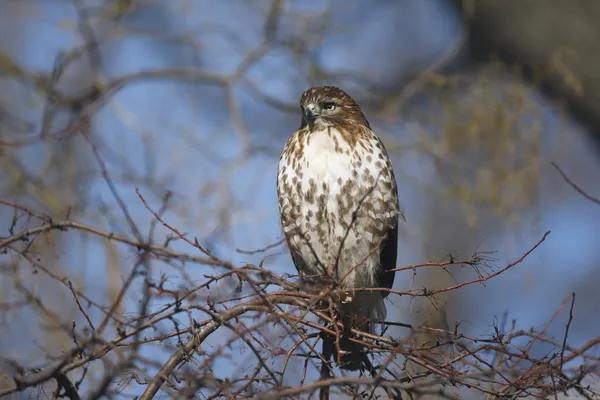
point(339, 208)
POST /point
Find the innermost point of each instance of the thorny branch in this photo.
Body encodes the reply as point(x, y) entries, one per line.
point(264, 299)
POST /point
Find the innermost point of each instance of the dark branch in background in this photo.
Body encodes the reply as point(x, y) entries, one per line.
point(574, 185)
point(261, 250)
point(68, 387)
point(564, 344)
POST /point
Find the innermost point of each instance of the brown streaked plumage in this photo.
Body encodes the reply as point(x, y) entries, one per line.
point(338, 203)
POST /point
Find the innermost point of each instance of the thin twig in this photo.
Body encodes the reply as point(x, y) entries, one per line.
point(79, 305)
point(564, 344)
point(574, 185)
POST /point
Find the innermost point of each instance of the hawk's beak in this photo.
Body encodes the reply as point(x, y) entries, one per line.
point(308, 116)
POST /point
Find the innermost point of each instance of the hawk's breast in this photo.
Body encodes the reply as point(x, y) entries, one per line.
point(337, 201)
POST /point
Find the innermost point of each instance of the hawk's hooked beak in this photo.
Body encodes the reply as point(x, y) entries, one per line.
point(308, 117)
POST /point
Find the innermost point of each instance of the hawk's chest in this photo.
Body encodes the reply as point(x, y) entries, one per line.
point(321, 186)
point(328, 159)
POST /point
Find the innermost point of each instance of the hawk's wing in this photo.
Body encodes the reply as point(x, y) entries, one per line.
point(388, 260)
point(298, 262)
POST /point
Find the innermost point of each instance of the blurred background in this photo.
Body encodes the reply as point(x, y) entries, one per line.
point(473, 99)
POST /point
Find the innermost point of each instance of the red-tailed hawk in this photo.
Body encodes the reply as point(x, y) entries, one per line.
point(339, 206)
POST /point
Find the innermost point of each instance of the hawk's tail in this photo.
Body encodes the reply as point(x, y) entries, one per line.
point(363, 313)
point(353, 356)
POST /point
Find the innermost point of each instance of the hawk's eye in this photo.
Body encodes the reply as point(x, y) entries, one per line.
point(329, 105)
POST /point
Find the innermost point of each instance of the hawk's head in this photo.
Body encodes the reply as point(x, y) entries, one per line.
point(324, 106)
